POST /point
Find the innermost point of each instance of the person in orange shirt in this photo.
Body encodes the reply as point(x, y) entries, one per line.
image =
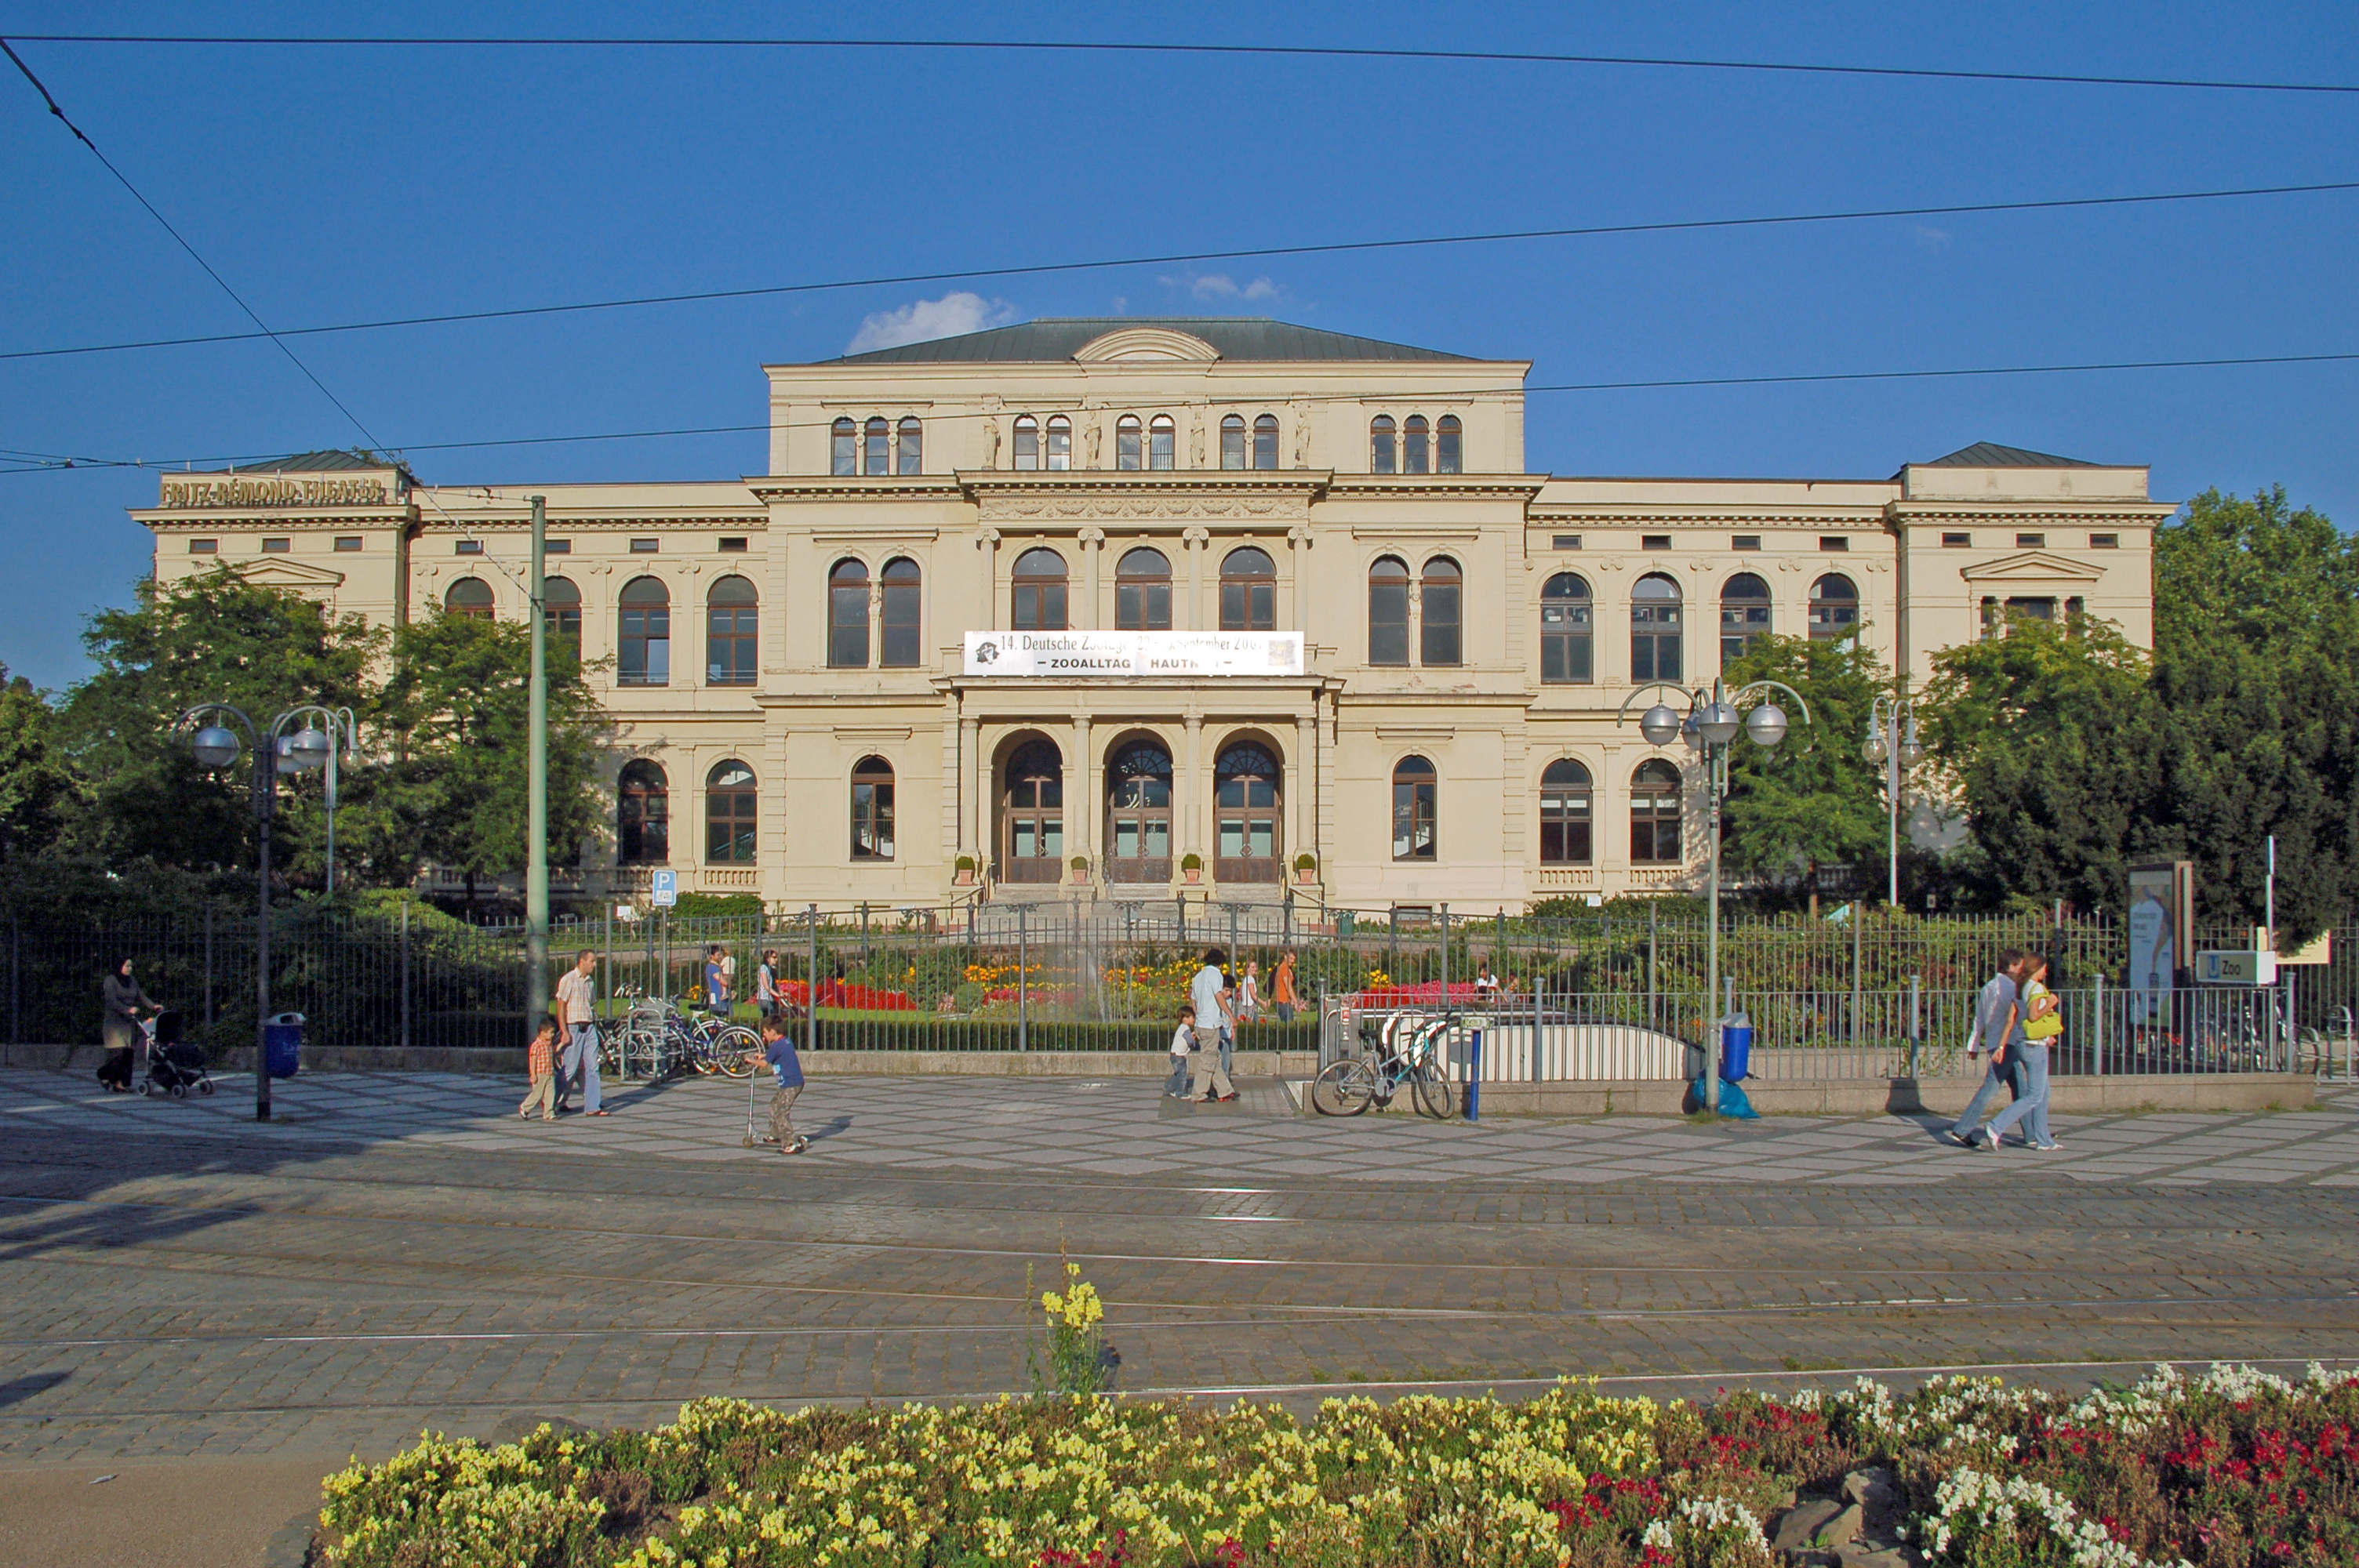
point(541, 1061)
point(1282, 991)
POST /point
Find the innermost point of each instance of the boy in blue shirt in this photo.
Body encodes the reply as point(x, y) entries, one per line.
point(788, 1069)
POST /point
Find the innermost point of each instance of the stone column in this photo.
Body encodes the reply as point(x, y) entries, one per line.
point(1190, 792)
point(979, 796)
point(1302, 795)
point(1081, 797)
point(970, 732)
point(772, 848)
point(1196, 541)
point(1092, 542)
point(1297, 549)
point(988, 576)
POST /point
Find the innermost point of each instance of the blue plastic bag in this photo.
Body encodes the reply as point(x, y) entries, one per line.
point(1734, 1106)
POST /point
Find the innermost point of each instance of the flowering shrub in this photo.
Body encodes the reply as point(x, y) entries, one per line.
point(2233, 1469)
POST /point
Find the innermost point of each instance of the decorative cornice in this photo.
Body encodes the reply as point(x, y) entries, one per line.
point(1101, 508)
point(778, 488)
point(1436, 487)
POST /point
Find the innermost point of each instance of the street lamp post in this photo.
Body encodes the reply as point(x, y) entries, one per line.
point(216, 747)
point(1709, 729)
point(1892, 741)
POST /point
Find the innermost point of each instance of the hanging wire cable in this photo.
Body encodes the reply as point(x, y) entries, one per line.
point(1281, 51)
point(1337, 247)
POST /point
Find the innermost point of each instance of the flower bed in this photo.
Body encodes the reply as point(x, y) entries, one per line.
point(2233, 1469)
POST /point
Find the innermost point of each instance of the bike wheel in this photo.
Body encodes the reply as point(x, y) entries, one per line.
point(1437, 1096)
point(740, 1050)
point(1342, 1089)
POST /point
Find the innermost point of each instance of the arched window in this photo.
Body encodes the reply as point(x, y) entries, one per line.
point(1565, 653)
point(643, 655)
point(1246, 794)
point(729, 636)
point(902, 614)
point(1040, 592)
point(1437, 608)
point(1061, 442)
point(1452, 445)
point(1413, 801)
point(1655, 813)
point(1129, 454)
point(1388, 611)
point(469, 597)
point(847, 616)
point(910, 448)
point(1233, 442)
point(1384, 452)
point(872, 809)
point(731, 803)
point(843, 456)
point(1159, 441)
point(1743, 616)
point(643, 816)
point(1416, 445)
point(1142, 591)
point(878, 448)
point(1139, 814)
point(1028, 441)
point(1564, 813)
point(1655, 637)
point(1248, 592)
point(1032, 841)
point(561, 610)
point(1266, 441)
point(1834, 608)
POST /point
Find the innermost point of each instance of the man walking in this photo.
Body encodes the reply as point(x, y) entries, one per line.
point(577, 1024)
point(1208, 994)
point(1998, 1014)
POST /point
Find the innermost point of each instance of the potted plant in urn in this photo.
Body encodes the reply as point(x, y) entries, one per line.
point(962, 874)
point(1191, 866)
point(1080, 870)
point(1306, 867)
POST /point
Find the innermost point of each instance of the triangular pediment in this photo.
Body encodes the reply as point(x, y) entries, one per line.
point(2032, 565)
point(283, 572)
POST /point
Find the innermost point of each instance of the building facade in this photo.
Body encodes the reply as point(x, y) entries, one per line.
point(1144, 609)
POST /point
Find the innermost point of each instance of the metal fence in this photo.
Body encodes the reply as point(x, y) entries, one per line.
point(1873, 996)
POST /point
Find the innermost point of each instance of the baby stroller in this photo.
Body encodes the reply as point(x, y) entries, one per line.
point(174, 1065)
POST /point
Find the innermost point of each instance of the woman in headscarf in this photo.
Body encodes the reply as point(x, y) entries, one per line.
point(120, 1026)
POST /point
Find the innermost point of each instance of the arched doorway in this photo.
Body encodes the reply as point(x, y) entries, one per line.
point(1032, 814)
point(1139, 813)
point(1245, 796)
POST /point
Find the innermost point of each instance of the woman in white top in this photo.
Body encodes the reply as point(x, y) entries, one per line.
point(766, 981)
point(1249, 993)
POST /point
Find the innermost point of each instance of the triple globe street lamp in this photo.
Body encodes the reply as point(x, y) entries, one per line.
point(1709, 728)
point(326, 732)
point(1892, 741)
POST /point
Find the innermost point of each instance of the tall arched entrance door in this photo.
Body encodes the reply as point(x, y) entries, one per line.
point(1139, 814)
point(1032, 814)
point(1245, 795)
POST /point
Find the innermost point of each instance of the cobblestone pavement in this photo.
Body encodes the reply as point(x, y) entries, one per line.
point(395, 1252)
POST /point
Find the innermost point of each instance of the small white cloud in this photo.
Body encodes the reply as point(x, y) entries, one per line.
point(921, 319)
point(1261, 288)
point(1221, 285)
point(1121, 305)
point(1929, 239)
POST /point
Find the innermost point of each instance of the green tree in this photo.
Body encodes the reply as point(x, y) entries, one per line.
point(1813, 801)
point(35, 787)
point(454, 793)
point(214, 638)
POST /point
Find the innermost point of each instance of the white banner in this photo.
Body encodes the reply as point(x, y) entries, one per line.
point(1129, 655)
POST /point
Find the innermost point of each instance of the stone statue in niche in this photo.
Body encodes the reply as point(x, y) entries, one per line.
point(1302, 437)
point(991, 440)
point(1092, 436)
point(1196, 440)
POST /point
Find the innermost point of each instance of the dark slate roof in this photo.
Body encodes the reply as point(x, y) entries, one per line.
point(1055, 338)
point(1991, 455)
point(318, 462)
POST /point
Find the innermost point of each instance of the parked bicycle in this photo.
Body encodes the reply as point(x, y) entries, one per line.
point(1407, 1051)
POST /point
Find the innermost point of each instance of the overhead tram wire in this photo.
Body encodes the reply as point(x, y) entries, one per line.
point(38, 462)
point(1335, 247)
point(235, 297)
point(1284, 51)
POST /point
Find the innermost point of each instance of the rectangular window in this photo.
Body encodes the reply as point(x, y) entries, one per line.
point(1746, 542)
point(467, 547)
point(204, 546)
point(645, 547)
point(1565, 542)
point(2031, 541)
point(1654, 541)
point(734, 544)
point(1837, 542)
point(1957, 541)
point(2035, 609)
point(557, 547)
point(278, 547)
point(2104, 541)
point(348, 541)
point(1565, 642)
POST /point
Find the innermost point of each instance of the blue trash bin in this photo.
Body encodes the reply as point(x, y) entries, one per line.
point(1735, 1047)
point(282, 1043)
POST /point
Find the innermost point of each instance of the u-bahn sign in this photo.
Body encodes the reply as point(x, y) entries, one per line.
point(1132, 656)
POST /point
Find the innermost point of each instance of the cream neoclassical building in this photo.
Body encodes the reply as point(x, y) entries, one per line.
point(1128, 592)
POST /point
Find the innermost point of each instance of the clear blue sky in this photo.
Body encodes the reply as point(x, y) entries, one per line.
point(339, 184)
